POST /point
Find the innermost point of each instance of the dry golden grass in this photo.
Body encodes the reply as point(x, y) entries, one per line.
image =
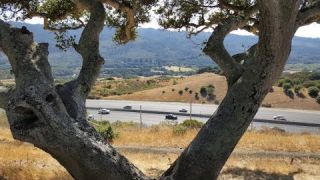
point(236, 167)
point(276, 141)
point(24, 161)
point(156, 136)
point(269, 140)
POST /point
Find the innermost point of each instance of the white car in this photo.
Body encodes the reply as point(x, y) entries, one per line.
point(279, 117)
point(90, 117)
point(104, 111)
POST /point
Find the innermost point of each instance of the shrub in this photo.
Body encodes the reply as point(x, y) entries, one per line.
point(93, 97)
point(281, 82)
point(289, 93)
point(216, 102)
point(104, 93)
point(192, 124)
point(151, 82)
point(179, 130)
point(287, 86)
point(190, 91)
point(313, 91)
point(105, 130)
point(107, 133)
point(172, 90)
point(186, 89)
point(109, 86)
point(174, 82)
point(297, 89)
point(110, 78)
point(180, 92)
point(210, 90)
point(203, 91)
point(309, 84)
point(315, 76)
point(267, 105)
point(124, 124)
point(196, 96)
point(296, 81)
point(211, 97)
point(318, 99)
point(163, 92)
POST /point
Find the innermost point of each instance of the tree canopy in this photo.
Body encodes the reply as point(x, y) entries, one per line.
point(63, 15)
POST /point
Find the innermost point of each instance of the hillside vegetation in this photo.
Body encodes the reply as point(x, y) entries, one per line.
point(201, 88)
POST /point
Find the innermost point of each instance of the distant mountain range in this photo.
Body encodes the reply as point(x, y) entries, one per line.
point(160, 47)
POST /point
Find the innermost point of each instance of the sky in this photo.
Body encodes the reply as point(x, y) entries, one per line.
point(309, 31)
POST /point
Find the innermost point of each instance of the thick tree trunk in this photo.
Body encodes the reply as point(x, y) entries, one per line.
point(208, 152)
point(42, 115)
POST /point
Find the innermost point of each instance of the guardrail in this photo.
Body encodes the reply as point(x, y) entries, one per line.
point(293, 123)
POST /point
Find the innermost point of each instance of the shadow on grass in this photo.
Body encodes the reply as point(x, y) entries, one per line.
point(247, 174)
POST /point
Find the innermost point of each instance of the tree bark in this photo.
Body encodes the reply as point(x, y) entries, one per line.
point(4, 93)
point(208, 152)
point(54, 118)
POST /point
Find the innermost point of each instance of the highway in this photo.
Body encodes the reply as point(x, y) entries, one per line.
point(203, 110)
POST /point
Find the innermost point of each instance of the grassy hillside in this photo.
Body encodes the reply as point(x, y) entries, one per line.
point(191, 88)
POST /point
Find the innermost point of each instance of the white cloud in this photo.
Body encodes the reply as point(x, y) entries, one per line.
point(34, 20)
point(310, 31)
point(242, 32)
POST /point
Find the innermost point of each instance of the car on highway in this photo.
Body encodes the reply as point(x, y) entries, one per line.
point(104, 111)
point(183, 110)
point(279, 117)
point(171, 117)
point(127, 107)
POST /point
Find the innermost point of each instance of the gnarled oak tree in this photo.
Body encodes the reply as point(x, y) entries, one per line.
point(53, 118)
point(250, 74)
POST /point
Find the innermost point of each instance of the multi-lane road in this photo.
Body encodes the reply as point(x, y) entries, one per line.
point(150, 113)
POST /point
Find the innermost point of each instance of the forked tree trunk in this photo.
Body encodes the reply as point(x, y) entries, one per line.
point(54, 118)
point(206, 155)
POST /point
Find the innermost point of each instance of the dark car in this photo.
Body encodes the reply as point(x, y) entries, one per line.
point(279, 117)
point(171, 117)
point(127, 107)
point(183, 110)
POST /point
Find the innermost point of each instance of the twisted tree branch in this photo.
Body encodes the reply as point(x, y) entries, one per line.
point(245, 55)
point(216, 50)
point(88, 47)
point(308, 15)
point(131, 22)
